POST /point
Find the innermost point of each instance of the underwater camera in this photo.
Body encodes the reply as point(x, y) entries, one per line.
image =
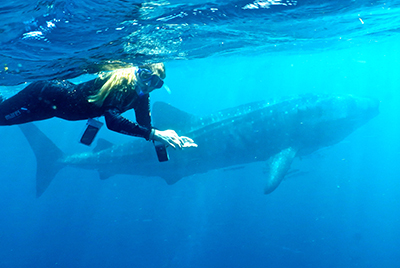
point(161, 151)
point(93, 126)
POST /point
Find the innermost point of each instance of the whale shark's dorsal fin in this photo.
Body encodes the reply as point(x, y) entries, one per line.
point(165, 116)
point(102, 144)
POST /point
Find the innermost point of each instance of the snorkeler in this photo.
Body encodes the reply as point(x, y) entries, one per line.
point(109, 95)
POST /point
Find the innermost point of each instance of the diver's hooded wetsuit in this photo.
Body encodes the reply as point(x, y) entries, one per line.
point(59, 98)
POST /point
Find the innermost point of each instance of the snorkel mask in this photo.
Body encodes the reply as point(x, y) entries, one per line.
point(147, 81)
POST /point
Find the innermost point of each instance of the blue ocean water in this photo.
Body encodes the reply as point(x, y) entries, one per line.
point(342, 211)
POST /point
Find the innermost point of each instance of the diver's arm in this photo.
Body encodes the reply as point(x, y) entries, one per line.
point(143, 117)
point(120, 124)
point(116, 122)
point(142, 111)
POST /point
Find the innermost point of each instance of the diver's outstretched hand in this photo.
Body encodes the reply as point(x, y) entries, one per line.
point(169, 137)
point(187, 142)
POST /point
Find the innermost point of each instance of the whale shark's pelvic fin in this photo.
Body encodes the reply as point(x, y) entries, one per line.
point(277, 166)
point(47, 156)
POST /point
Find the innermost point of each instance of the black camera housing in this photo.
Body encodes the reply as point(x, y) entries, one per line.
point(161, 151)
point(93, 127)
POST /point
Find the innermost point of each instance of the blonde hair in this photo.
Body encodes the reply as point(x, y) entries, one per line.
point(122, 79)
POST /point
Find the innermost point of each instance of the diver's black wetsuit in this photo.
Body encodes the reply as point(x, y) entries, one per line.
point(59, 98)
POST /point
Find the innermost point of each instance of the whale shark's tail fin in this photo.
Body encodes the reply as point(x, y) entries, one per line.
point(47, 156)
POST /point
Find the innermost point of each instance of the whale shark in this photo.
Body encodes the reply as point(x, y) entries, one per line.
point(270, 131)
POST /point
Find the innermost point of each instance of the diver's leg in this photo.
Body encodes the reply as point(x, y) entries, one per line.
point(25, 106)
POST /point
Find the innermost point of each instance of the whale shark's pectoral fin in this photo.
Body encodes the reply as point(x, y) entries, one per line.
point(277, 166)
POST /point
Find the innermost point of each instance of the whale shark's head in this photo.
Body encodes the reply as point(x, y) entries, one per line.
point(366, 108)
point(351, 109)
point(328, 119)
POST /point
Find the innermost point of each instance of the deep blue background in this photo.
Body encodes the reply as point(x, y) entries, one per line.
point(343, 212)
